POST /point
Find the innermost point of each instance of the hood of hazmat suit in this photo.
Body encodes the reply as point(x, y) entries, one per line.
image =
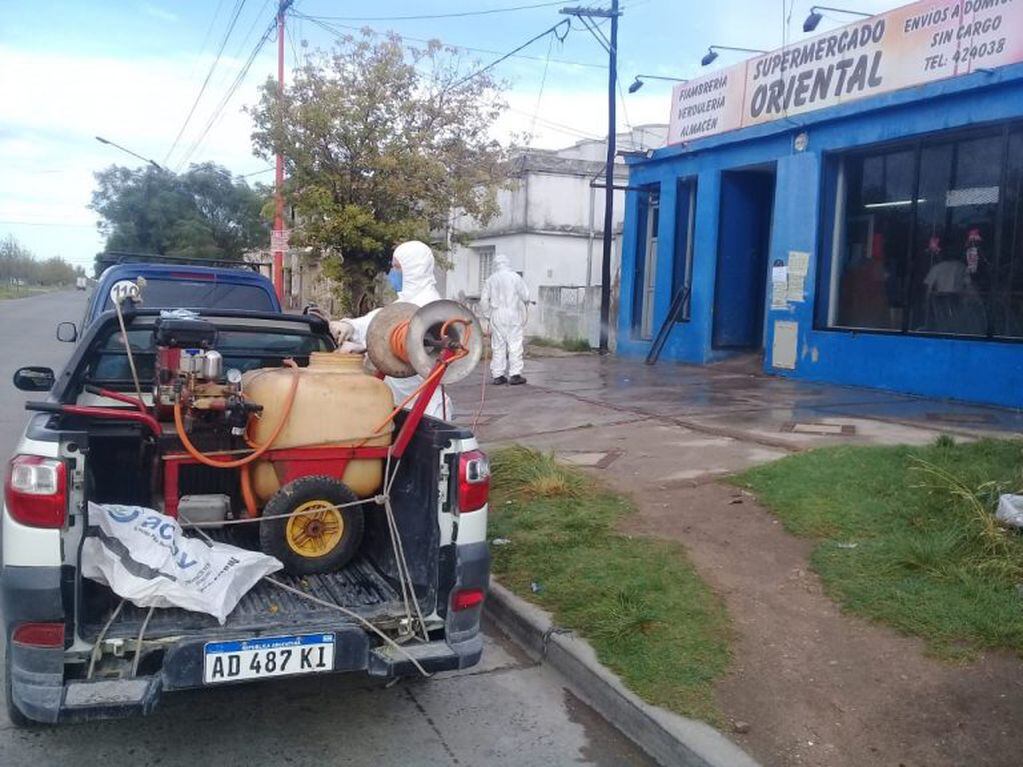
point(419, 287)
point(418, 281)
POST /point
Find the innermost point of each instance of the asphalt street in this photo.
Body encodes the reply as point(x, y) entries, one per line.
point(506, 711)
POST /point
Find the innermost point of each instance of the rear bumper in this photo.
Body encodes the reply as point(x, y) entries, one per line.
point(39, 690)
point(41, 694)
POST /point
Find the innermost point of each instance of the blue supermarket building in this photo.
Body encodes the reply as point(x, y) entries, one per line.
point(850, 206)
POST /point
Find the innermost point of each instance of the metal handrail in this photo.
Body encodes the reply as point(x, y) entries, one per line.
point(674, 310)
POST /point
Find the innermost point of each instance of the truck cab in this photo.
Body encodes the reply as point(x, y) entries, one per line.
point(175, 282)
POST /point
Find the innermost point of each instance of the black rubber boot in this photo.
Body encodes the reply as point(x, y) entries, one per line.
point(499, 381)
point(516, 380)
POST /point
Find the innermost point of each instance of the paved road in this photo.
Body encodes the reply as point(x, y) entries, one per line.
point(507, 711)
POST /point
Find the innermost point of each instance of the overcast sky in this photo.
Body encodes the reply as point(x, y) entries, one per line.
point(130, 71)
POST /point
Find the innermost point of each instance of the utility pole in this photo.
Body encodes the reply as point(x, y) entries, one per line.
point(277, 242)
point(584, 15)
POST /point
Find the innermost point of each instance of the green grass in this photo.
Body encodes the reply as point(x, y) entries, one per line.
point(638, 601)
point(11, 291)
point(907, 536)
point(568, 344)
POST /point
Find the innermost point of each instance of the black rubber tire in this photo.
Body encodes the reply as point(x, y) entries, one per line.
point(273, 532)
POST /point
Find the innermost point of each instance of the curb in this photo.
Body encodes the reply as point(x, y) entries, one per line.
point(669, 738)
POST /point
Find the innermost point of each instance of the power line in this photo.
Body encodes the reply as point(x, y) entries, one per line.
point(223, 44)
point(335, 29)
point(45, 223)
point(291, 42)
point(539, 95)
point(555, 126)
point(206, 37)
point(455, 15)
point(568, 130)
point(260, 14)
point(242, 73)
point(257, 172)
point(551, 31)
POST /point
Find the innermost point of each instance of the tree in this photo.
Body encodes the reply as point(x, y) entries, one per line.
point(203, 213)
point(19, 266)
point(381, 143)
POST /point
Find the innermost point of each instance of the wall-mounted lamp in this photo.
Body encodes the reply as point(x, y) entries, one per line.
point(712, 52)
point(638, 82)
point(815, 16)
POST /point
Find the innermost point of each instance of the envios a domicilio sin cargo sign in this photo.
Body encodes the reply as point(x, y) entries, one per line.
point(908, 46)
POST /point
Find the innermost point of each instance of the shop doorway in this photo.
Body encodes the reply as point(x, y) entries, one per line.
point(744, 238)
point(646, 264)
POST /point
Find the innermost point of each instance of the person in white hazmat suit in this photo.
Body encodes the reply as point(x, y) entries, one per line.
point(503, 301)
point(412, 277)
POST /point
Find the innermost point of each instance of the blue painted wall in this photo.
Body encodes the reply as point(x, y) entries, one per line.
point(978, 371)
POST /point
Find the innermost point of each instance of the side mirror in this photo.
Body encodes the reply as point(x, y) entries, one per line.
point(34, 379)
point(67, 332)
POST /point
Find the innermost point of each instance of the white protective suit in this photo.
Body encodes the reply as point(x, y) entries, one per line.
point(419, 287)
point(503, 302)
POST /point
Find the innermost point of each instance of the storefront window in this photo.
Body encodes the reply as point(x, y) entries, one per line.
point(1007, 283)
point(879, 217)
point(953, 251)
point(929, 237)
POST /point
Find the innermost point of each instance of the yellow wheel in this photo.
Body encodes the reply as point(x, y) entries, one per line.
point(310, 526)
point(314, 528)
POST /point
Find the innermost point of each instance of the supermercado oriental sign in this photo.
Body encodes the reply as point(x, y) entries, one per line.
point(909, 46)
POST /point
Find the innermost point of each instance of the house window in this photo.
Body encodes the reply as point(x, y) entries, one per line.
point(485, 259)
point(928, 237)
point(685, 226)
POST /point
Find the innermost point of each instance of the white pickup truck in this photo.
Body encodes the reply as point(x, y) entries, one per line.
point(72, 654)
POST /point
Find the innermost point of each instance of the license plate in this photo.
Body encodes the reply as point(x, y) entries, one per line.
point(267, 657)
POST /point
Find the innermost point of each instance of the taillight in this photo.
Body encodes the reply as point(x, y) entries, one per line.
point(473, 480)
point(39, 634)
point(36, 491)
point(466, 599)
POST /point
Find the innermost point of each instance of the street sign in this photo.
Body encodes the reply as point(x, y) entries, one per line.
point(279, 240)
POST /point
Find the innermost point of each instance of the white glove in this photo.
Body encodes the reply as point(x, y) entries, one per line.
point(342, 330)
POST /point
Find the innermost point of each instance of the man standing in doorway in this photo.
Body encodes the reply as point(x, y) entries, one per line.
point(504, 300)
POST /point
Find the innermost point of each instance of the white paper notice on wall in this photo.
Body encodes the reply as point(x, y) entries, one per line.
point(779, 284)
point(779, 294)
point(783, 350)
point(799, 264)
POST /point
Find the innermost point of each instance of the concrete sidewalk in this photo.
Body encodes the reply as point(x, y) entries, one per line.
point(809, 684)
point(674, 423)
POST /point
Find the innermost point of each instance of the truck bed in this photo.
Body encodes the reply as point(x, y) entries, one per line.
point(358, 587)
point(366, 586)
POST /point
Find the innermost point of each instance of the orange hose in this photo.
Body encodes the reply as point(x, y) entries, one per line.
point(398, 336)
point(245, 479)
point(179, 425)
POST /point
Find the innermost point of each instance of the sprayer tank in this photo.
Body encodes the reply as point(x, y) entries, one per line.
point(337, 403)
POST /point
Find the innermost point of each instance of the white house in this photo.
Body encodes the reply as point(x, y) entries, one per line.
point(551, 228)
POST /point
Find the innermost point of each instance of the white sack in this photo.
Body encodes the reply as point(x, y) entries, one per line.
point(1010, 510)
point(144, 557)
